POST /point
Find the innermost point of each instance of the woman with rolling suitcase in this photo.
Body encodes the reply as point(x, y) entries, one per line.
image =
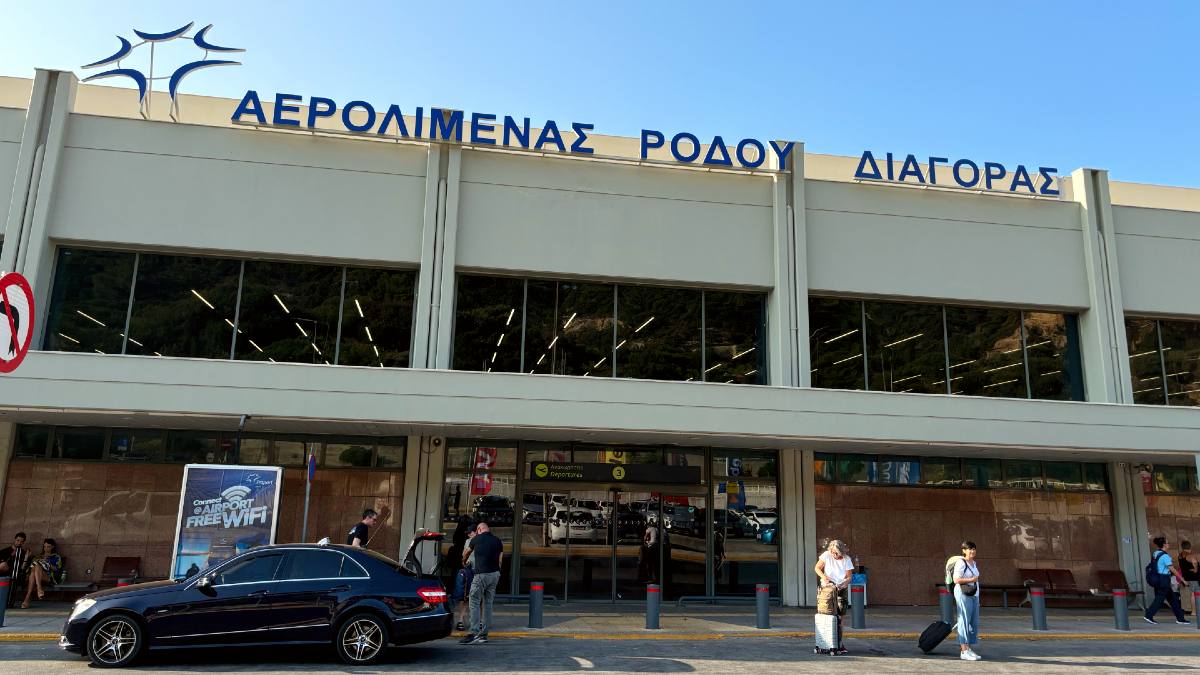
point(834, 569)
point(966, 595)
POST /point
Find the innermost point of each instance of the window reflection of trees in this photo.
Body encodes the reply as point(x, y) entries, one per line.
point(89, 301)
point(1181, 355)
point(183, 306)
point(289, 312)
point(1145, 367)
point(985, 352)
point(658, 333)
point(905, 348)
point(487, 324)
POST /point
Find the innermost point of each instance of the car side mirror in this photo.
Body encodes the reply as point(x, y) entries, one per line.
point(205, 582)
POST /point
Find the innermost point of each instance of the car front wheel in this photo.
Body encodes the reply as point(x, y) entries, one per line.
point(114, 641)
point(362, 640)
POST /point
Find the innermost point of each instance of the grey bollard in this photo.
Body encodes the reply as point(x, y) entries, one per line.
point(762, 604)
point(1121, 608)
point(858, 606)
point(947, 603)
point(653, 604)
point(3, 598)
point(1037, 602)
point(1195, 603)
point(537, 590)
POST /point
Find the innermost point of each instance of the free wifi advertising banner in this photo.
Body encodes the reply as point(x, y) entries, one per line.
point(223, 511)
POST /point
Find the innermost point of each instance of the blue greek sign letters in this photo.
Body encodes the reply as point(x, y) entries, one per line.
point(964, 173)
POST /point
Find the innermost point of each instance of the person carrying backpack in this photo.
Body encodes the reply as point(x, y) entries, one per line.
point(966, 595)
point(1158, 576)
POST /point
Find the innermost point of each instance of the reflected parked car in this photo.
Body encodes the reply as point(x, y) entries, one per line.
point(582, 526)
point(631, 526)
point(732, 523)
point(760, 519)
point(356, 600)
point(533, 509)
point(494, 510)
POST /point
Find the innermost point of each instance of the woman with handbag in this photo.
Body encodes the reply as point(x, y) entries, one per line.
point(834, 569)
point(44, 571)
point(966, 595)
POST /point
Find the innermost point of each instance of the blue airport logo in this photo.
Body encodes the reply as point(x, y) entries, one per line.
point(145, 81)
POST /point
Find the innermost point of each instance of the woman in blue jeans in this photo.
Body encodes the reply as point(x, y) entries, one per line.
point(966, 595)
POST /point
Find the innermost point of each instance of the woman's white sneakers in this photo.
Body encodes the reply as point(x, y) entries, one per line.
point(969, 655)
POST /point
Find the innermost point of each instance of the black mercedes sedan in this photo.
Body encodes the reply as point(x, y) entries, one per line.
point(355, 599)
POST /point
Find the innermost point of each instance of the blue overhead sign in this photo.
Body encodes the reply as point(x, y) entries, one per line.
point(455, 126)
point(963, 173)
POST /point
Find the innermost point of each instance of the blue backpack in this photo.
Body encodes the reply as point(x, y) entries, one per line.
point(1153, 577)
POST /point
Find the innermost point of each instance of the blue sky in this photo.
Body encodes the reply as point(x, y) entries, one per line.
point(1067, 84)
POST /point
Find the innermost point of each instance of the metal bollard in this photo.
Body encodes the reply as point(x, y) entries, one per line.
point(537, 590)
point(947, 603)
point(1121, 608)
point(1037, 602)
point(858, 606)
point(653, 603)
point(3, 598)
point(1195, 603)
point(762, 604)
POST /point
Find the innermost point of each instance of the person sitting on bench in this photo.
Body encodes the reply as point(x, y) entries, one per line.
point(14, 559)
point(44, 572)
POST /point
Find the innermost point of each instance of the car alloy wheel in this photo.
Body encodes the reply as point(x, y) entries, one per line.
point(362, 639)
point(114, 641)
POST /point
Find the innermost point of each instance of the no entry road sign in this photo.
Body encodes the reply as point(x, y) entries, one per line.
point(16, 320)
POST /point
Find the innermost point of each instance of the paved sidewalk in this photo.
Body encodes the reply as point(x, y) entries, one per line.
point(701, 622)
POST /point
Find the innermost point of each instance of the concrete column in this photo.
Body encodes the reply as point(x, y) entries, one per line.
point(785, 313)
point(1129, 520)
point(799, 213)
point(797, 544)
point(1102, 327)
point(424, 474)
point(8, 438)
point(422, 348)
point(27, 247)
point(443, 303)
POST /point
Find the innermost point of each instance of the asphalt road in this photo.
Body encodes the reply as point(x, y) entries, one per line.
point(561, 655)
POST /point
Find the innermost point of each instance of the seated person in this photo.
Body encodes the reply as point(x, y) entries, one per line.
point(14, 559)
point(45, 571)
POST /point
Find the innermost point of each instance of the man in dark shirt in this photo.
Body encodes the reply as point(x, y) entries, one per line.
point(487, 552)
point(14, 559)
point(358, 534)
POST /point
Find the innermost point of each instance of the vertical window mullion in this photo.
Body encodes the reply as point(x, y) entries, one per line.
point(946, 350)
point(612, 347)
point(1025, 358)
point(129, 307)
point(1162, 362)
point(862, 324)
point(524, 312)
point(337, 340)
point(703, 336)
point(237, 311)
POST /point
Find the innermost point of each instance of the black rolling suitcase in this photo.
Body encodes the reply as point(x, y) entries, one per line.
point(933, 636)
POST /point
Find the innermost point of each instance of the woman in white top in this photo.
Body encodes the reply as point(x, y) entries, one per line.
point(834, 569)
point(966, 594)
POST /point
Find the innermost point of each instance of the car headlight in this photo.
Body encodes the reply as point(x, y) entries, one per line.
point(81, 605)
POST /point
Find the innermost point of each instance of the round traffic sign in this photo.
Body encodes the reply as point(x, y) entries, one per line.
point(16, 320)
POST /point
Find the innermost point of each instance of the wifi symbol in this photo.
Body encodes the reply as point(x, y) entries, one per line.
point(237, 492)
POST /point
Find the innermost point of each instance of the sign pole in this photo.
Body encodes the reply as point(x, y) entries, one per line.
point(311, 469)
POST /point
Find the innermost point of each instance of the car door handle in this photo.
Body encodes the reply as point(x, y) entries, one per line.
point(340, 589)
point(257, 594)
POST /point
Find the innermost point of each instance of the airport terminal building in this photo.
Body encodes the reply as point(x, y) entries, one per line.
point(746, 358)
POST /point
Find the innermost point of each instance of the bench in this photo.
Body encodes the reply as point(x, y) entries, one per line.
point(1002, 589)
point(117, 571)
point(1110, 579)
point(1057, 583)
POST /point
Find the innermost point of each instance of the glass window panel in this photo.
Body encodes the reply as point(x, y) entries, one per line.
point(905, 348)
point(194, 447)
point(390, 454)
point(183, 306)
point(289, 312)
point(942, 471)
point(854, 468)
point(74, 443)
point(836, 343)
point(824, 468)
point(136, 445)
point(1144, 365)
point(254, 450)
point(744, 464)
point(983, 473)
point(292, 451)
point(89, 301)
point(985, 352)
point(377, 317)
point(349, 452)
point(1181, 353)
point(658, 335)
point(311, 565)
point(1171, 478)
point(1064, 475)
point(569, 329)
point(735, 337)
point(745, 539)
point(619, 454)
point(487, 324)
point(258, 568)
point(1094, 477)
point(1023, 475)
point(32, 441)
point(1052, 346)
point(896, 471)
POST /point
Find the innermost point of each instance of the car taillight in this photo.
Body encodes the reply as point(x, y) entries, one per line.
point(432, 595)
